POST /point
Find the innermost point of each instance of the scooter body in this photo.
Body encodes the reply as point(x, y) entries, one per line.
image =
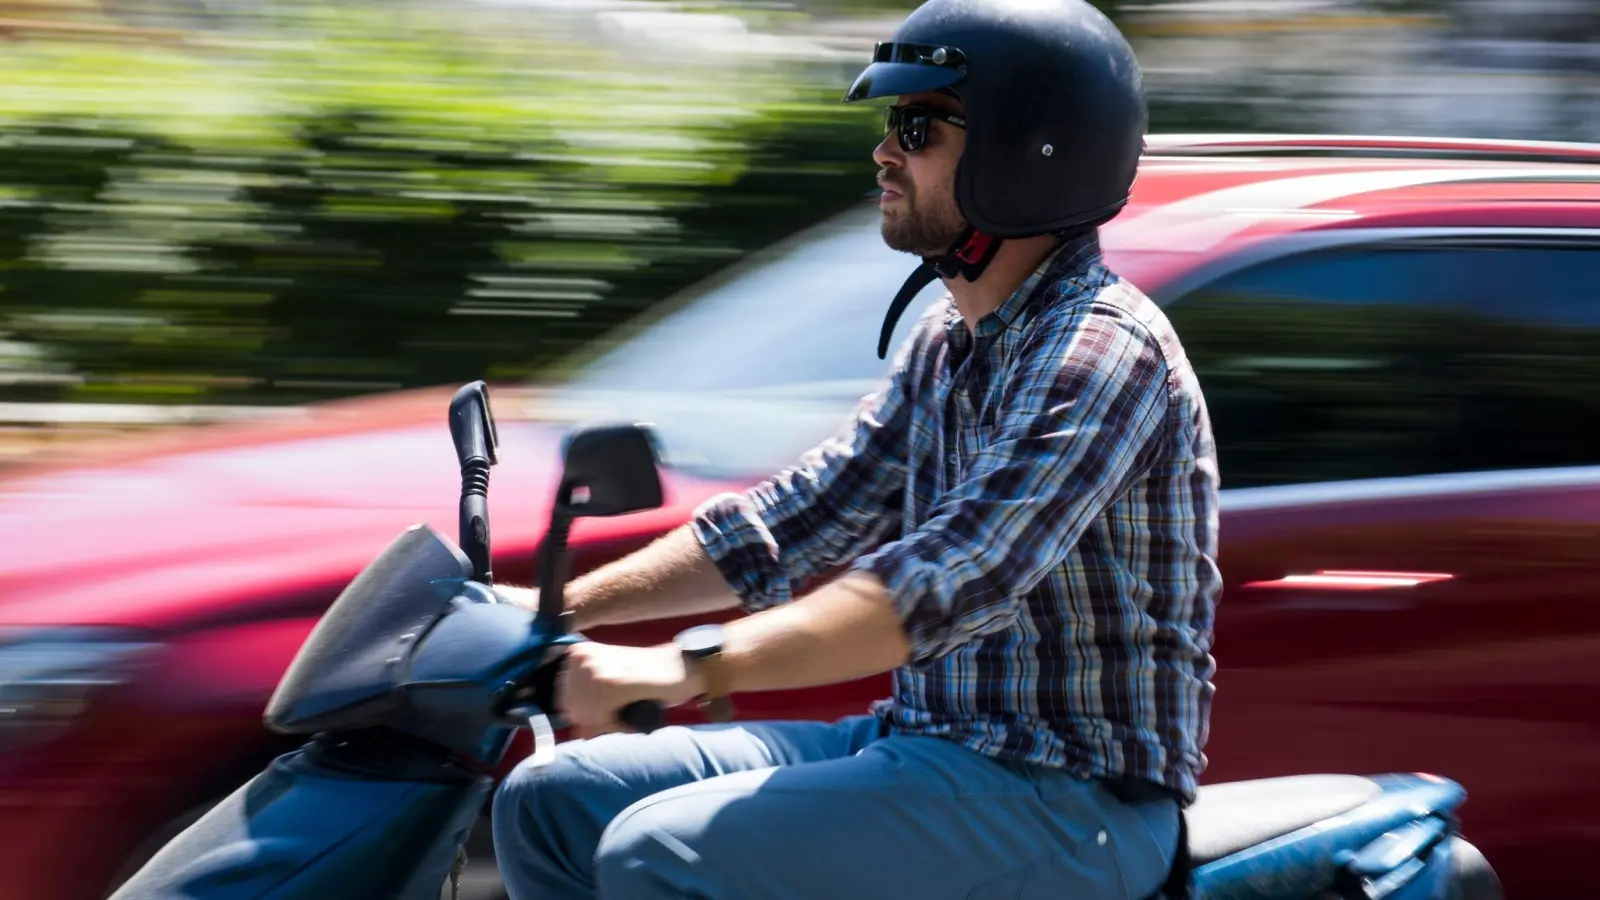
point(399, 680)
point(306, 827)
point(414, 682)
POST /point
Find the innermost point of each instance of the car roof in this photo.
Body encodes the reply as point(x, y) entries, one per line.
point(1201, 197)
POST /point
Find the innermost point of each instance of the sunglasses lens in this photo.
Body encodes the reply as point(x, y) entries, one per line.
point(912, 123)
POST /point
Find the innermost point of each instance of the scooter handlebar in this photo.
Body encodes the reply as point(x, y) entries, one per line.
point(643, 716)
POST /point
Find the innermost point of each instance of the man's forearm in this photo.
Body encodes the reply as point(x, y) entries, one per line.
point(669, 578)
point(847, 629)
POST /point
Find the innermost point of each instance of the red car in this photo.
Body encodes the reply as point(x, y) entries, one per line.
point(1400, 343)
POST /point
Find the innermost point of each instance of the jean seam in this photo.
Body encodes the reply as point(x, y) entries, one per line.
point(1115, 859)
point(580, 761)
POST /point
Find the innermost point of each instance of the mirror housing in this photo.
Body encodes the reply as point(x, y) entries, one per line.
point(472, 425)
point(608, 470)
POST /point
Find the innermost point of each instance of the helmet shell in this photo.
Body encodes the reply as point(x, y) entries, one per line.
point(1055, 107)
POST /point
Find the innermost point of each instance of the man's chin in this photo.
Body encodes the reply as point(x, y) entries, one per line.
point(903, 236)
point(892, 241)
point(898, 242)
point(894, 234)
point(890, 234)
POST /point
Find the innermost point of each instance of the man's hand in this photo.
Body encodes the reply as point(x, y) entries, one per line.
point(597, 680)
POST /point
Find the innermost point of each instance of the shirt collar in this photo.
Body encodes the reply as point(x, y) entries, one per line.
point(1071, 257)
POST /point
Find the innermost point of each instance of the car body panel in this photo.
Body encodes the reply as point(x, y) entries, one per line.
point(1408, 674)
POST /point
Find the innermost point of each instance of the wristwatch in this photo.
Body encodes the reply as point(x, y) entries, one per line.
point(702, 652)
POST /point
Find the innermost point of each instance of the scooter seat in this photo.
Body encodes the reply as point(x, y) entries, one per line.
point(1233, 816)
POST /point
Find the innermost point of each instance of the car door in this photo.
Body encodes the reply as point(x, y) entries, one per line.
point(1408, 430)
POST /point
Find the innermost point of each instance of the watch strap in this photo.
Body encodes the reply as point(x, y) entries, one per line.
point(715, 702)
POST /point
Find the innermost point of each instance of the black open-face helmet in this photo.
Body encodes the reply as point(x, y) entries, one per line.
point(1055, 117)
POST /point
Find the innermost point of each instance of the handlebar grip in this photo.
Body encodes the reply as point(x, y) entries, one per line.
point(643, 716)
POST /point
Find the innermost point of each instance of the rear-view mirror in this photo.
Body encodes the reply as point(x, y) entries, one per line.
point(609, 470)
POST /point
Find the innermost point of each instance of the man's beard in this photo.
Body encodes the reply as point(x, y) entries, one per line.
point(924, 232)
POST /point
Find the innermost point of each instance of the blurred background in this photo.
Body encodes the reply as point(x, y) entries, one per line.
point(240, 214)
point(209, 209)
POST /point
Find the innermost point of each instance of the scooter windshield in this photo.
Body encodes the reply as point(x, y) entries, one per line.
point(347, 672)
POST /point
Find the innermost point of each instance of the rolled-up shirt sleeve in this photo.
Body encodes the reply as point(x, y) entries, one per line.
point(1072, 433)
point(841, 500)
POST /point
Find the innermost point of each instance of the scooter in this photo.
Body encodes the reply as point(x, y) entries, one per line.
point(412, 686)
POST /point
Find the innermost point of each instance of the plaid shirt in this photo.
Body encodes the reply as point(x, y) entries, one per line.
point(1040, 500)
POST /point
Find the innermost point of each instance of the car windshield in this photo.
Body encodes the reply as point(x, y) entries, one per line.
point(747, 371)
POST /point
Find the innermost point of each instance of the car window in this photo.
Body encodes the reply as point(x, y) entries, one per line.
point(746, 372)
point(1400, 359)
point(806, 312)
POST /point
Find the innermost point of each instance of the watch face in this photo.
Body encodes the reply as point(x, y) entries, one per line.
point(701, 639)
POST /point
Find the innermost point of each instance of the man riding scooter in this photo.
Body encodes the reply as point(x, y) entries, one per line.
point(1026, 512)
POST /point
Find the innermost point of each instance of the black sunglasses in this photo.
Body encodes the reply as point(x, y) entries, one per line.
point(912, 124)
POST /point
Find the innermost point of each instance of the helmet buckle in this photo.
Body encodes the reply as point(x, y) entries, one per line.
point(969, 256)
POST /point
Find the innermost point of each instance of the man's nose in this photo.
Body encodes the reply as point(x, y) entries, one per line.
point(888, 153)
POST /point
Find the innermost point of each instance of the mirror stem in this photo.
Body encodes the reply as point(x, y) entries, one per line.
point(474, 522)
point(553, 572)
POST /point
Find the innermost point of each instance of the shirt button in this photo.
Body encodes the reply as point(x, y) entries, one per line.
point(955, 459)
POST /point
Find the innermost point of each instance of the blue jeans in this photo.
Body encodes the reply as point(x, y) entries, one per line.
point(817, 811)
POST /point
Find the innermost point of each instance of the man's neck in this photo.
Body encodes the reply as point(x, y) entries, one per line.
point(1012, 264)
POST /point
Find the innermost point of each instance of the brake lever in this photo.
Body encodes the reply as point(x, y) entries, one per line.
point(544, 741)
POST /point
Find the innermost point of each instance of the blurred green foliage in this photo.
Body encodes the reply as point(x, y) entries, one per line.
point(340, 200)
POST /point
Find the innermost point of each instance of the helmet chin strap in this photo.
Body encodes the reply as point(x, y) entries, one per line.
point(968, 257)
